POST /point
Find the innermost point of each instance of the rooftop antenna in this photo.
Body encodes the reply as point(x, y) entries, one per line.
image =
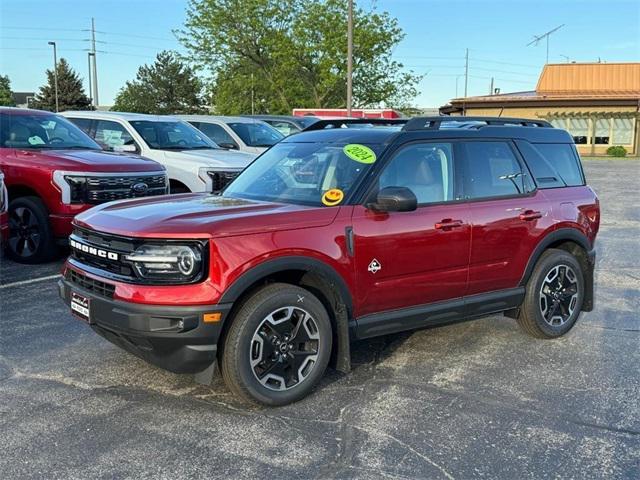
point(538, 38)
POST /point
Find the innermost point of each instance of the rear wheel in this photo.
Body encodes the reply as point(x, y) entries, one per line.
point(278, 346)
point(554, 295)
point(30, 237)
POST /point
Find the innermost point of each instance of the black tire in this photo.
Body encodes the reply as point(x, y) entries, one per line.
point(252, 337)
point(30, 237)
point(556, 313)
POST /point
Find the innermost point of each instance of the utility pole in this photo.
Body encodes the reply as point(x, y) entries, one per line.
point(55, 73)
point(491, 87)
point(349, 57)
point(89, 54)
point(537, 38)
point(252, 96)
point(95, 67)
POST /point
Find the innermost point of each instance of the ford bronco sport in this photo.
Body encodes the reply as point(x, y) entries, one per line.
point(54, 171)
point(342, 234)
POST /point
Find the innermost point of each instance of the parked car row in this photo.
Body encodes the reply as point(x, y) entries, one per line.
point(57, 166)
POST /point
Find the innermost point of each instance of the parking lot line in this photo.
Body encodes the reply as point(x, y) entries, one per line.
point(27, 282)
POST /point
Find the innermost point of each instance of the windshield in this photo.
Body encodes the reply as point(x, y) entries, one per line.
point(42, 131)
point(169, 135)
point(257, 134)
point(304, 173)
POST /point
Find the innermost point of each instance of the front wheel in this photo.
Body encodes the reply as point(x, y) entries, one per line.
point(278, 346)
point(554, 295)
point(30, 237)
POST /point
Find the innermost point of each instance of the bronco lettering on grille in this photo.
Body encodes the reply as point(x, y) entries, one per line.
point(98, 252)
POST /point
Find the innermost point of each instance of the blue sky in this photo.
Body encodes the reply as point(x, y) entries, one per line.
point(131, 32)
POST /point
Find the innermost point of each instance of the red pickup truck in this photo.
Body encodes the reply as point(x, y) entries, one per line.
point(53, 171)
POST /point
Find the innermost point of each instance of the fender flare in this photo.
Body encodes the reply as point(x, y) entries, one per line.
point(567, 234)
point(344, 308)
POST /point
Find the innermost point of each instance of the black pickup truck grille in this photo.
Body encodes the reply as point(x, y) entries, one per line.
point(101, 189)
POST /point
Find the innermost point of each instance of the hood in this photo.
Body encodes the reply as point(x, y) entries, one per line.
point(200, 216)
point(228, 159)
point(89, 160)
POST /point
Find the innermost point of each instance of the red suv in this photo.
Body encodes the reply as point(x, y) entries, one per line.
point(342, 234)
point(54, 171)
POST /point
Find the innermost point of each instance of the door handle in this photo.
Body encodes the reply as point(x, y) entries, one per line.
point(529, 215)
point(448, 223)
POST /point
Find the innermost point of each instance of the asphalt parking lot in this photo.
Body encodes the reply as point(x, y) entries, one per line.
point(472, 400)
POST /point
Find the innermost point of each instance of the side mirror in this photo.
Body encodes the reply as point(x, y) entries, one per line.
point(395, 199)
point(126, 148)
point(229, 146)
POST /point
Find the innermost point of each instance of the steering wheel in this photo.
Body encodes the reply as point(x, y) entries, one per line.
point(56, 140)
point(181, 142)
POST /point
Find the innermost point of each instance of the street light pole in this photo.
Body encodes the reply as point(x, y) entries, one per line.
point(55, 72)
point(89, 55)
point(349, 57)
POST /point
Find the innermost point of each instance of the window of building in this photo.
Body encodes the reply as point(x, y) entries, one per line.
point(602, 129)
point(579, 130)
point(492, 170)
point(425, 169)
point(623, 131)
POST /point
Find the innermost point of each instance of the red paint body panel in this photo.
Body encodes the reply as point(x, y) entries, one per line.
point(420, 264)
point(33, 170)
point(502, 242)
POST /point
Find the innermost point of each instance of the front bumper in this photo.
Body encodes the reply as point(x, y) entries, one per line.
point(172, 337)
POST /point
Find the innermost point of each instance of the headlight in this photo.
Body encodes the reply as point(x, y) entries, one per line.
point(167, 263)
point(216, 180)
point(78, 186)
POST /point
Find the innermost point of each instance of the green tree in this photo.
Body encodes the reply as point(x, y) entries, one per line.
point(71, 94)
point(167, 86)
point(295, 51)
point(6, 95)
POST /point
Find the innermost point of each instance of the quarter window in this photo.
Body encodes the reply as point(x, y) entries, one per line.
point(492, 170)
point(425, 169)
point(564, 160)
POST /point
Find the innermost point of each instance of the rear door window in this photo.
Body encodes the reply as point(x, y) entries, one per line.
point(491, 169)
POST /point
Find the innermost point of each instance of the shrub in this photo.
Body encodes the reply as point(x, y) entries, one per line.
point(617, 151)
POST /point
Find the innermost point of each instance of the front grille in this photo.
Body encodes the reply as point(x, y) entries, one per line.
point(105, 189)
point(221, 179)
point(119, 245)
point(87, 283)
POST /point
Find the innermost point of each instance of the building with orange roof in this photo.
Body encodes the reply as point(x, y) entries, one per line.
point(598, 103)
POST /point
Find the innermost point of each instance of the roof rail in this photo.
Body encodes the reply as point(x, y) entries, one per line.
point(344, 122)
point(435, 123)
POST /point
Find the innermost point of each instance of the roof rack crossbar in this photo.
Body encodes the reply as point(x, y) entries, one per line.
point(435, 123)
point(339, 122)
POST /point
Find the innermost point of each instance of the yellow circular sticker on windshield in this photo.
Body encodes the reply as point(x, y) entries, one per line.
point(332, 197)
point(359, 153)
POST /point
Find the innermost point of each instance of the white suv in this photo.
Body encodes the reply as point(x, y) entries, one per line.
point(194, 163)
point(237, 133)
